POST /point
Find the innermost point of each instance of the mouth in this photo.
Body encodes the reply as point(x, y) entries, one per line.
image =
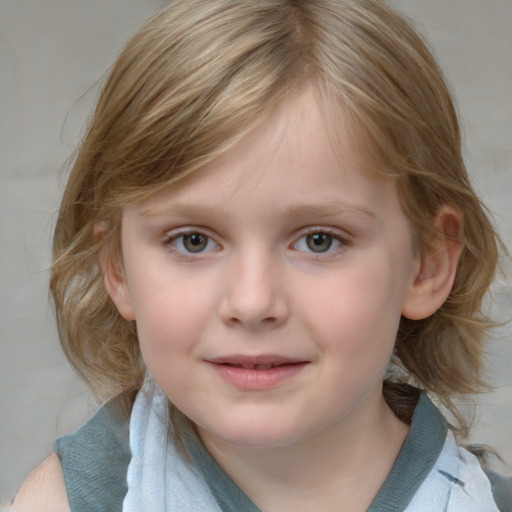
point(255, 366)
point(257, 372)
point(262, 362)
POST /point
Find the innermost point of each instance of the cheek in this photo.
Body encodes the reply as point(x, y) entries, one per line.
point(171, 313)
point(168, 334)
point(356, 315)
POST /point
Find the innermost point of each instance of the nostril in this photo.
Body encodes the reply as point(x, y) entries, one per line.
point(253, 324)
point(253, 306)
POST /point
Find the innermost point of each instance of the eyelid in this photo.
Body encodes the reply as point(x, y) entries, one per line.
point(174, 234)
point(187, 230)
point(341, 237)
point(338, 233)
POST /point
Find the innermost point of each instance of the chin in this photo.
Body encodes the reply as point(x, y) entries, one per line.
point(257, 434)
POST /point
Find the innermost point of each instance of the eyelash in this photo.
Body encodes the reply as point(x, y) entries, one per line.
point(171, 240)
point(334, 239)
point(180, 237)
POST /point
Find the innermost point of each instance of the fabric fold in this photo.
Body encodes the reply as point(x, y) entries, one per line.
point(158, 477)
point(160, 480)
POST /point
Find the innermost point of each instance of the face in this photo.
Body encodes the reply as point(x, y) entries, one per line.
point(267, 287)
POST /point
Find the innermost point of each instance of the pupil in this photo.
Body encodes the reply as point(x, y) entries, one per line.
point(319, 242)
point(195, 242)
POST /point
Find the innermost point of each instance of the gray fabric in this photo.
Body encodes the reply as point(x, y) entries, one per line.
point(228, 495)
point(95, 459)
point(418, 456)
point(501, 490)
point(94, 462)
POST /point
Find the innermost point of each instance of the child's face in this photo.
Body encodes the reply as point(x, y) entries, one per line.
point(279, 254)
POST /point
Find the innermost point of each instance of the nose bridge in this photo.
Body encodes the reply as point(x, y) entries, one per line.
point(254, 291)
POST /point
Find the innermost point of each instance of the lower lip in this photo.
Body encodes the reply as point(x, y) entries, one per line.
point(256, 380)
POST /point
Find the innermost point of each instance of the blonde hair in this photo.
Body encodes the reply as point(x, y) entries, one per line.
point(202, 73)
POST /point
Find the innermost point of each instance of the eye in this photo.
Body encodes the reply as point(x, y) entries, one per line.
point(319, 242)
point(192, 242)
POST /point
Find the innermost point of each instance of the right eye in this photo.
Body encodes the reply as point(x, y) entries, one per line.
point(192, 242)
point(319, 242)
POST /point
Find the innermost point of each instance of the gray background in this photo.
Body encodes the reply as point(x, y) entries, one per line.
point(52, 52)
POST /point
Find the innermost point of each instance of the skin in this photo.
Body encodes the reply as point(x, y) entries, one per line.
point(283, 248)
point(43, 490)
point(255, 284)
point(257, 288)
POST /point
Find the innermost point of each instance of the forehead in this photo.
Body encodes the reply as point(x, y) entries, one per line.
point(292, 161)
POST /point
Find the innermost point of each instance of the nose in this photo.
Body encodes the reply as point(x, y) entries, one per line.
point(254, 293)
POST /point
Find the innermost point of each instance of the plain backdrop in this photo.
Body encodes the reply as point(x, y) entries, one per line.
point(52, 54)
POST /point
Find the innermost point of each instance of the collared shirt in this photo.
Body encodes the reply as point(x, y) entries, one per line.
point(95, 460)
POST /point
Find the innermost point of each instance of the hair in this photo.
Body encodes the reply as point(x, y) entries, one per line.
point(197, 77)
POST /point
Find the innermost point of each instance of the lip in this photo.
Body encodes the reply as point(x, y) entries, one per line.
point(261, 372)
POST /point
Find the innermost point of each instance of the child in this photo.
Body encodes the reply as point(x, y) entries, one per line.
point(268, 256)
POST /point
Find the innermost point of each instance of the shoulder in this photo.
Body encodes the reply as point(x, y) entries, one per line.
point(44, 490)
point(87, 470)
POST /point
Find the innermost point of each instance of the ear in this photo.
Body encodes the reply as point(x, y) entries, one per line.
point(113, 277)
point(434, 276)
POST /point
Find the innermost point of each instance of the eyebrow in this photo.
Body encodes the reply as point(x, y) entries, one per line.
point(317, 210)
point(181, 210)
point(329, 209)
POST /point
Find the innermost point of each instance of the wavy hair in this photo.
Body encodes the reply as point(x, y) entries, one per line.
point(197, 77)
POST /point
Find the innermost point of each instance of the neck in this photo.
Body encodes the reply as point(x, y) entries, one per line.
point(339, 468)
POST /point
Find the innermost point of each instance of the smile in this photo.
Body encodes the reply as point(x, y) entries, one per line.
point(256, 373)
point(253, 366)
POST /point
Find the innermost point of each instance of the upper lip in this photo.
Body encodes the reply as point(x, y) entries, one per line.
point(250, 361)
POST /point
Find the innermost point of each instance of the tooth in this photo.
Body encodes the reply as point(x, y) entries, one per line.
point(263, 366)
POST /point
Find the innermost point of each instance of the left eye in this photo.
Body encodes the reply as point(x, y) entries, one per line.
point(192, 243)
point(318, 242)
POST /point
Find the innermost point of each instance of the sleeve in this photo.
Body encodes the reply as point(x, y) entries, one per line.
point(501, 490)
point(95, 460)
